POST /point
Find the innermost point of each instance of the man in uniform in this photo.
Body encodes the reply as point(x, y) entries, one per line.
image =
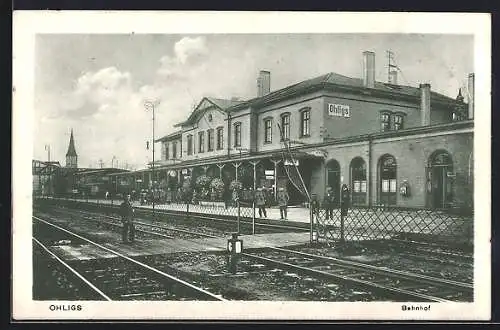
point(127, 214)
point(169, 196)
point(283, 202)
point(329, 202)
point(260, 202)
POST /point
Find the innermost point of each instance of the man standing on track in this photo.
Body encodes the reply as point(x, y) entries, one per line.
point(127, 214)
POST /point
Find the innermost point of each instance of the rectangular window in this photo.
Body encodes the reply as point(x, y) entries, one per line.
point(165, 145)
point(285, 127)
point(189, 145)
point(220, 138)
point(385, 122)
point(305, 123)
point(268, 131)
point(210, 138)
point(201, 141)
point(174, 150)
point(237, 135)
point(398, 122)
point(385, 185)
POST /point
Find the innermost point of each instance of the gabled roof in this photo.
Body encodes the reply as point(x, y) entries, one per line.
point(169, 136)
point(208, 102)
point(338, 81)
point(223, 103)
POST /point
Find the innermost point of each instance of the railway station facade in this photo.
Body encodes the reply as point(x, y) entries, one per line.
point(391, 144)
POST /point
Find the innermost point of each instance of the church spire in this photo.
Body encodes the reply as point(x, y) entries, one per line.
point(71, 156)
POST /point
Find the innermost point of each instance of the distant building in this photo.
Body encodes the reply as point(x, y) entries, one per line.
point(71, 156)
point(44, 173)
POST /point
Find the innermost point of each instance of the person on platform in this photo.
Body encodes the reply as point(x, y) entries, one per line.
point(236, 196)
point(344, 200)
point(260, 202)
point(314, 204)
point(283, 199)
point(168, 196)
point(329, 203)
point(127, 214)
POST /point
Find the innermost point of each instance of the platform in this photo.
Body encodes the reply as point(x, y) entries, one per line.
point(294, 213)
point(168, 246)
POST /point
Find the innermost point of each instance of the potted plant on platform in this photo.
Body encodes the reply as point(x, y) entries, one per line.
point(217, 185)
point(203, 187)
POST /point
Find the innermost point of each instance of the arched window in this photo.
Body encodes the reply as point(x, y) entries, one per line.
point(358, 181)
point(305, 122)
point(285, 126)
point(388, 180)
point(189, 144)
point(220, 138)
point(268, 130)
point(237, 134)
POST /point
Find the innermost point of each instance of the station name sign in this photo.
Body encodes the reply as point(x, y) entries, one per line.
point(339, 110)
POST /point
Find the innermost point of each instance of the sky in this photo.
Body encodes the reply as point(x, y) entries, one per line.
point(97, 84)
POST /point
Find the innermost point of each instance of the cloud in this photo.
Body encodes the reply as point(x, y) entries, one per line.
point(190, 49)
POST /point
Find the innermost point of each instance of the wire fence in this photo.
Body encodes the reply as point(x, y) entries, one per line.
point(383, 223)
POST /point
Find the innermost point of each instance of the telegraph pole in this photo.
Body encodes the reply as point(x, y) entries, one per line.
point(151, 105)
point(47, 147)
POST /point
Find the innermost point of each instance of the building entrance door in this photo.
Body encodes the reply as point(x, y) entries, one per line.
point(333, 177)
point(388, 180)
point(440, 181)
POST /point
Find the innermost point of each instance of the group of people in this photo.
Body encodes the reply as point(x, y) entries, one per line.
point(331, 202)
point(282, 198)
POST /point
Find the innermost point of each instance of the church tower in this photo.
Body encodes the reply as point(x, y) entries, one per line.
point(71, 156)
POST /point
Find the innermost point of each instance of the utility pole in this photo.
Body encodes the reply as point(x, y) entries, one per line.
point(151, 105)
point(113, 161)
point(101, 163)
point(47, 147)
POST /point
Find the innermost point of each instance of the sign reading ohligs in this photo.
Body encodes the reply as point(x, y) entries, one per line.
point(339, 110)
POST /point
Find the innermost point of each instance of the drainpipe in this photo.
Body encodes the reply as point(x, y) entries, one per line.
point(228, 135)
point(370, 184)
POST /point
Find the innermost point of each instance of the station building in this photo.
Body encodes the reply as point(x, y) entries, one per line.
point(391, 144)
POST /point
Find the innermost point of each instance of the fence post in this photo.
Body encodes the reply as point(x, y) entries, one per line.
point(341, 227)
point(311, 221)
point(187, 210)
point(238, 219)
point(253, 217)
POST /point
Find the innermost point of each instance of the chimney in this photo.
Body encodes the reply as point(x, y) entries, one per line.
point(393, 77)
point(368, 69)
point(425, 104)
point(470, 89)
point(263, 83)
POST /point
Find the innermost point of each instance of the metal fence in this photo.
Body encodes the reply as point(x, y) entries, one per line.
point(234, 209)
point(384, 223)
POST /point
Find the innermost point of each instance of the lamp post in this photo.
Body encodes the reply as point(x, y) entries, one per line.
point(151, 105)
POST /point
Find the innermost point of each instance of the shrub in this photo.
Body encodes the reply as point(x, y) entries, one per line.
point(235, 185)
point(203, 181)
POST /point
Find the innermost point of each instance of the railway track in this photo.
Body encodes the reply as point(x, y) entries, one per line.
point(155, 229)
point(123, 278)
point(395, 282)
